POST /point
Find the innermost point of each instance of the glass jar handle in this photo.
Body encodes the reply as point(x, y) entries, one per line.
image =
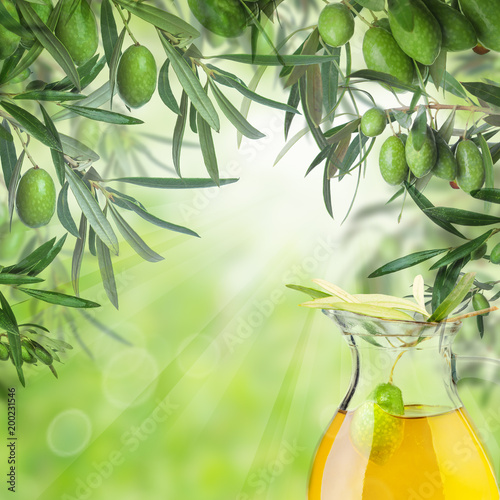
point(476, 367)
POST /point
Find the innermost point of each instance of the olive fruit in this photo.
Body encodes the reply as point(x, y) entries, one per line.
point(4, 351)
point(36, 198)
point(423, 43)
point(382, 53)
point(373, 122)
point(336, 24)
point(27, 352)
point(485, 17)
point(495, 254)
point(480, 302)
point(8, 40)
point(479, 252)
point(471, 173)
point(422, 161)
point(446, 163)
point(226, 18)
point(458, 33)
point(136, 76)
point(392, 161)
point(78, 31)
point(42, 354)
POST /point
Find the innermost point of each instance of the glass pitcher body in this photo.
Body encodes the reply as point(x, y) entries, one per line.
point(401, 432)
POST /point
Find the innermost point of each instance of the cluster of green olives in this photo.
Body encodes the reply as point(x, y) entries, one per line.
point(399, 156)
point(390, 48)
point(77, 31)
point(31, 352)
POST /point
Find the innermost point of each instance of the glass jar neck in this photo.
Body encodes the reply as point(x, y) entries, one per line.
point(414, 356)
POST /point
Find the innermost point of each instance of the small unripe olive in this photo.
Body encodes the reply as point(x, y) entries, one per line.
point(36, 198)
point(480, 302)
point(336, 24)
point(136, 76)
point(4, 352)
point(495, 254)
point(480, 252)
point(373, 122)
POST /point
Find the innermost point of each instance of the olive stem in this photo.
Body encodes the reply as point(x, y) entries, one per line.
point(125, 23)
point(356, 13)
point(25, 146)
point(438, 106)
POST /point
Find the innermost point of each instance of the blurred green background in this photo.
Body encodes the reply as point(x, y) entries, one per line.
point(210, 382)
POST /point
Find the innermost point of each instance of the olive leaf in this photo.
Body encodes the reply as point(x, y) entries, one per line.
point(49, 95)
point(272, 60)
point(462, 217)
point(45, 261)
point(92, 210)
point(167, 183)
point(133, 239)
point(178, 135)
point(164, 89)
point(103, 115)
point(57, 155)
point(191, 85)
point(8, 156)
point(63, 211)
point(485, 91)
point(453, 300)
point(419, 128)
point(106, 270)
point(18, 279)
point(76, 261)
point(8, 322)
point(113, 65)
point(491, 195)
point(406, 262)
point(58, 298)
point(208, 149)
point(49, 41)
point(32, 125)
point(109, 33)
point(315, 294)
point(25, 265)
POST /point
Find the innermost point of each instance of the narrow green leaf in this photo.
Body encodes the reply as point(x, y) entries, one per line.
point(272, 60)
point(192, 119)
point(491, 195)
point(31, 124)
point(133, 239)
point(49, 258)
point(8, 155)
point(486, 92)
point(92, 238)
point(103, 116)
point(438, 69)
point(87, 73)
point(167, 183)
point(327, 192)
point(5, 135)
point(31, 260)
point(18, 279)
point(113, 65)
point(316, 131)
point(293, 101)
point(377, 76)
point(208, 149)
point(489, 181)
point(76, 261)
point(159, 18)
point(14, 182)
point(233, 115)
point(57, 155)
point(230, 80)
point(314, 93)
point(452, 85)
point(60, 299)
point(8, 322)
point(77, 150)
point(463, 250)
point(422, 202)
point(143, 213)
point(446, 129)
point(92, 210)
point(461, 217)
point(192, 86)
point(49, 95)
point(165, 90)
point(404, 119)
point(109, 33)
point(106, 270)
point(315, 294)
point(419, 128)
point(178, 135)
point(49, 41)
point(309, 48)
point(437, 289)
point(330, 77)
point(453, 300)
point(405, 262)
